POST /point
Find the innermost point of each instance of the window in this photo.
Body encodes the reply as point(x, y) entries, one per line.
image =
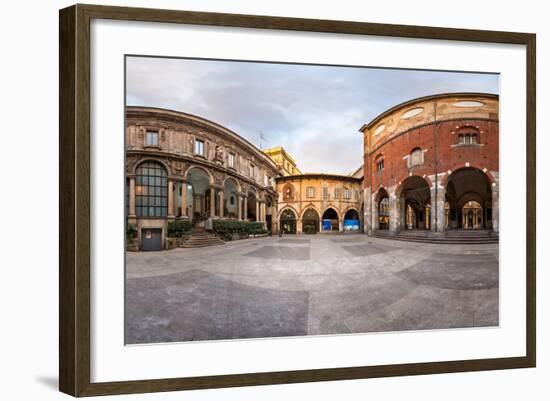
point(324, 192)
point(336, 193)
point(288, 192)
point(310, 192)
point(347, 193)
point(151, 138)
point(151, 190)
point(416, 158)
point(251, 171)
point(468, 136)
point(231, 160)
point(199, 147)
point(380, 165)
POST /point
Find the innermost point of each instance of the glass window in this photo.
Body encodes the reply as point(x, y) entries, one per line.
point(310, 192)
point(380, 165)
point(347, 193)
point(199, 147)
point(151, 192)
point(151, 138)
point(336, 193)
point(324, 192)
point(231, 160)
point(251, 171)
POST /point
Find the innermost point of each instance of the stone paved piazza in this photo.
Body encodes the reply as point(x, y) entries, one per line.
point(308, 285)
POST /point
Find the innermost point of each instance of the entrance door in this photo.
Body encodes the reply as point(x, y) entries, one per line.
point(151, 239)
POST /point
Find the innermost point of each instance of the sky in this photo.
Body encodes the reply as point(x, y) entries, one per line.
point(313, 111)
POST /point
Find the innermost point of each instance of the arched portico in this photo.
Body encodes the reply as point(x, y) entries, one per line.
point(413, 203)
point(287, 221)
point(198, 200)
point(381, 215)
point(351, 220)
point(330, 220)
point(470, 199)
point(310, 221)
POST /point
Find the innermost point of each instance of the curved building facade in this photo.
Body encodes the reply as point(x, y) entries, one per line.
point(432, 164)
point(312, 203)
point(180, 166)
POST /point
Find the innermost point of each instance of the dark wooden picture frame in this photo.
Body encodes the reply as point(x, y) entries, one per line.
point(74, 203)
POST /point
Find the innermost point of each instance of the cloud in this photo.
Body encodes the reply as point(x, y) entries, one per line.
point(312, 111)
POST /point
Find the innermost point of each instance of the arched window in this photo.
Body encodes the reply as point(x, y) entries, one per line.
point(416, 157)
point(468, 136)
point(288, 192)
point(151, 190)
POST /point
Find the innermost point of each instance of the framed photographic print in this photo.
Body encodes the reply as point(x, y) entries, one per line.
point(250, 200)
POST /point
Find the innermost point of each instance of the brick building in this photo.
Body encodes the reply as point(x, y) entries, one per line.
point(432, 164)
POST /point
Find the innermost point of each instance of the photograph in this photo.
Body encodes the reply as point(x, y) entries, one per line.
point(270, 199)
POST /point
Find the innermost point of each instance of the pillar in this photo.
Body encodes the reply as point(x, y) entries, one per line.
point(367, 210)
point(494, 206)
point(240, 207)
point(374, 212)
point(221, 203)
point(262, 211)
point(395, 211)
point(184, 198)
point(170, 199)
point(132, 198)
point(299, 226)
point(437, 204)
point(257, 210)
point(212, 202)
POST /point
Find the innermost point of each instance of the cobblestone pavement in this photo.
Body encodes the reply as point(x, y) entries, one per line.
point(308, 285)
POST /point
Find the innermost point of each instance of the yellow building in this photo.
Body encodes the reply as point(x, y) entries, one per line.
point(312, 203)
point(283, 160)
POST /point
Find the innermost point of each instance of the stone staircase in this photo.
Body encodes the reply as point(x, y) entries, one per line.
point(448, 237)
point(201, 238)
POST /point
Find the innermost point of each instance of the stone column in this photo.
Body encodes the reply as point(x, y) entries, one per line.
point(374, 212)
point(221, 203)
point(132, 198)
point(240, 207)
point(437, 204)
point(494, 207)
point(170, 199)
point(184, 198)
point(299, 226)
point(367, 210)
point(395, 211)
point(257, 210)
point(212, 202)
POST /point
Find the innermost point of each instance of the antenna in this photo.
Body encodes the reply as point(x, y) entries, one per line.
point(262, 138)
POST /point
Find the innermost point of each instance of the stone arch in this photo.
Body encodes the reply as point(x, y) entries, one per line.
point(467, 184)
point(414, 203)
point(151, 159)
point(311, 220)
point(235, 181)
point(205, 170)
point(285, 208)
point(331, 219)
point(287, 219)
point(484, 170)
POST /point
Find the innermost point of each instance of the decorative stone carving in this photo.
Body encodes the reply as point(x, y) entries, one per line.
point(218, 156)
